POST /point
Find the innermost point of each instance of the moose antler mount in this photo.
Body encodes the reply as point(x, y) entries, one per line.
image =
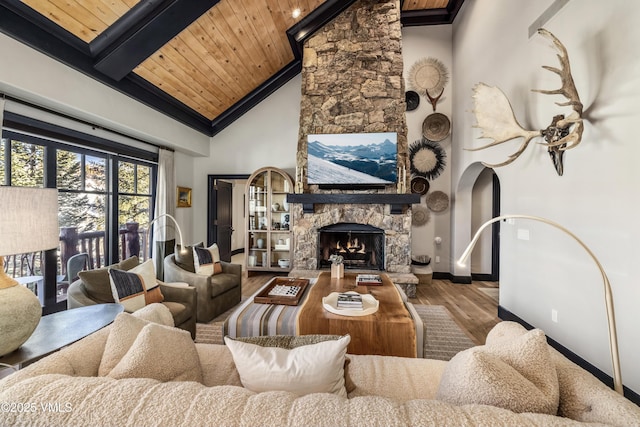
point(496, 119)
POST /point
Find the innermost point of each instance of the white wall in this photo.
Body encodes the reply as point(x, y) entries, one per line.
point(419, 43)
point(265, 136)
point(597, 196)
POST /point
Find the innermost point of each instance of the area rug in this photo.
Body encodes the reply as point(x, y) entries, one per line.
point(444, 338)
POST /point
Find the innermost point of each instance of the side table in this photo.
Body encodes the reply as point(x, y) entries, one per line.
point(60, 329)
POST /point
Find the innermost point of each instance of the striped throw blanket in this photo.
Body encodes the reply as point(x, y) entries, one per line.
point(253, 320)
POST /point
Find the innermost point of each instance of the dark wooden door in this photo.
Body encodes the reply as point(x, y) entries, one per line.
point(221, 209)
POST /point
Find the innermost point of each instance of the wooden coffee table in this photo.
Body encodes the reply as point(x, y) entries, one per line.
point(390, 331)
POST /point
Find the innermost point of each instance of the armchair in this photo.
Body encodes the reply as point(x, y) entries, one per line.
point(216, 294)
point(93, 287)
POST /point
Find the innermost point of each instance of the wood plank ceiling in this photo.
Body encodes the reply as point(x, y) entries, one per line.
point(203, 64)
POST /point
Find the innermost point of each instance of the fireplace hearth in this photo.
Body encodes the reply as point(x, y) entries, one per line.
point(360, 245)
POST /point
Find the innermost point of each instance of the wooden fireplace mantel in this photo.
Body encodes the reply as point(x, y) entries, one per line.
point(397, 201)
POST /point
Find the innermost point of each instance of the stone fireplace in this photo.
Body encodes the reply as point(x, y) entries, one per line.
point(360, 245)
point(352, 83)
point(394, 227)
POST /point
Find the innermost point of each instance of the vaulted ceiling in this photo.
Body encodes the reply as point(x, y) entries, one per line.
point(201, 62)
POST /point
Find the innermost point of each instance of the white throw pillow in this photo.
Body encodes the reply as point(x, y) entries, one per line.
point(207, 260)
point(314, 368)
point(135, 288)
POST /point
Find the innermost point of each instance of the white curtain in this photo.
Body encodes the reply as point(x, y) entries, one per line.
point(164, 228)
point(2, 102)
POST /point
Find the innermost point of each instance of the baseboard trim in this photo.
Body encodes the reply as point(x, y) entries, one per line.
point(440, 275)
point(237, 251)
point(482, 277)
point(465, 280)
point(506, 315)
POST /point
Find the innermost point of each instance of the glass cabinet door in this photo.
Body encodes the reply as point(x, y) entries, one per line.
point(268, 239)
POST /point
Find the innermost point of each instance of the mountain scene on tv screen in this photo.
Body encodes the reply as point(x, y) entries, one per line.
point(373, 163)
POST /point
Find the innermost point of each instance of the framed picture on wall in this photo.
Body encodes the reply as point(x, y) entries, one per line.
point(184, 197)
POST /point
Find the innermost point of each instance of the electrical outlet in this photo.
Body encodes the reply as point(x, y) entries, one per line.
point(437, 259)
point(523, 234)
point(554, 315)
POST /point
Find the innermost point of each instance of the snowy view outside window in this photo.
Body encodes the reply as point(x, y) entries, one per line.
point(358, 158)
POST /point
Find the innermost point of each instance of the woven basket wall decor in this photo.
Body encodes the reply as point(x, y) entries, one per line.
point(437, 201)
point(427, 159)
point(419, 215)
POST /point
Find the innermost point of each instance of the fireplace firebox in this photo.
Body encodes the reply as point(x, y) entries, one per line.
point(360, 245)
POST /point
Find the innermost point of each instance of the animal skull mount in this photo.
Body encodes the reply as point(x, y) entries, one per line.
point(495, 117)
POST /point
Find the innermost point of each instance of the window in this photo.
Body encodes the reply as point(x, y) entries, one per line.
point(105, 198)
point(134, 205)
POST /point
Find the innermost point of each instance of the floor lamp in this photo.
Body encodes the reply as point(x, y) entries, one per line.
point(613, 338)
point(182, 248)
point(29, 223)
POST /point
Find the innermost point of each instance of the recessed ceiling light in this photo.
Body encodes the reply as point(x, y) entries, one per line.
point(296, 12)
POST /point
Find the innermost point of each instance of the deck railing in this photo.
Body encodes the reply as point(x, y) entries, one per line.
point(132, 240)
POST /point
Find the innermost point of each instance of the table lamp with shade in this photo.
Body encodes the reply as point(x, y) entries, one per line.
point(608, 297)
point(28, 223)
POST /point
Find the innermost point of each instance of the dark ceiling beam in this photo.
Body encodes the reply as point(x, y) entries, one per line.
point(25, 28)
point(142, 31)
point(412, 18)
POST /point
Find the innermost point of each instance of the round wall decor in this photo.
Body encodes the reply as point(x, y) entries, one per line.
point(428, 74)
point(412, 99)
point(419, 215)
point(427, 158)
point(436, 127)
point(437, 201)
point(419, 185)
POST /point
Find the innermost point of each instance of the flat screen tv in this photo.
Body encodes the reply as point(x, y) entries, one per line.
point(352, 159)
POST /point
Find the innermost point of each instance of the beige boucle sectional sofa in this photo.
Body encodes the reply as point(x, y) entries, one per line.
point(200, 385)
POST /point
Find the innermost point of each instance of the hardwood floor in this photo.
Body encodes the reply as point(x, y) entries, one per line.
point(472, 309)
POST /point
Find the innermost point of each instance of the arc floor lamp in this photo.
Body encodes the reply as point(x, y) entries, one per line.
point(608, 297)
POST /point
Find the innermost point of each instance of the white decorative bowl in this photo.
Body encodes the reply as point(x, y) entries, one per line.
point(283, 263)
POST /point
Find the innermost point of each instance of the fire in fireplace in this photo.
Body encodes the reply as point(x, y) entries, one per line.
point(360, 245)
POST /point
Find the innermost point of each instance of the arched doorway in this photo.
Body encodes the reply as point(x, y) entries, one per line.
point(477, 200)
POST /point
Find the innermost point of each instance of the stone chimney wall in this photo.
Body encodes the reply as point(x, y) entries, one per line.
point(352, 82)
point(352, 77)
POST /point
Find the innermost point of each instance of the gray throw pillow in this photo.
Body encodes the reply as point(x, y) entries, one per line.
point(184, 259)
point(97, 281)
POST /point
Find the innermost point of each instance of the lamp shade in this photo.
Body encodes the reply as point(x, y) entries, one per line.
point(29, 219)
point(28, 223)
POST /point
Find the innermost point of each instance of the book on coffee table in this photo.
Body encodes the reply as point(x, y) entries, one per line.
point(368, 280)
point(353, 301)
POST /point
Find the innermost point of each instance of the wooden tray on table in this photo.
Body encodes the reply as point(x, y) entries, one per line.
point(293, 291)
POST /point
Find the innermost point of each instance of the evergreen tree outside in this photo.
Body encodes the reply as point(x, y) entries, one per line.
point(134, 198)
point(27, 164)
